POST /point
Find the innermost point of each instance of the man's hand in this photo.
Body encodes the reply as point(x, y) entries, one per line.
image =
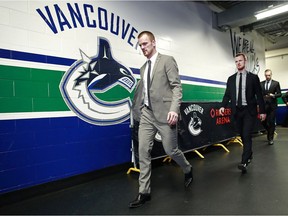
point(172, 118)
point(221, 111)
point(270, 95)
point(262, 117)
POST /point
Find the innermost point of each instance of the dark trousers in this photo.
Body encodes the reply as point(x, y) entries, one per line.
point(269, 123)
point(245, 123)
point(285, 121)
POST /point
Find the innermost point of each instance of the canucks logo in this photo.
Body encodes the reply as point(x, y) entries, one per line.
point(89, 78)
point(194, 125)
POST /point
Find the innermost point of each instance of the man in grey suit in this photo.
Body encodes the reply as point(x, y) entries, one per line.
point(162, 94)
point(271, 91)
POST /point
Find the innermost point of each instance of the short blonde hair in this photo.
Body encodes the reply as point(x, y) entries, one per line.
point(267, 70)
point(150, 35)
point(241, 54)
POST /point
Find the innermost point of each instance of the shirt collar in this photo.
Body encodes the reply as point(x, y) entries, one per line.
point(243, 73)
point(153, 58)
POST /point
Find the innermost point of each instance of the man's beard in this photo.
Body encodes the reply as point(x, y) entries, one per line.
point(241, 68)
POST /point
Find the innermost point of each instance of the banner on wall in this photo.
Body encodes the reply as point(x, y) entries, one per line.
point(200, 125)
point(244, 43)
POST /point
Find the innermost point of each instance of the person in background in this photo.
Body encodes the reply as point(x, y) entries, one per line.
point(162, 95)
point(285, 100)
point(243, 91)
point(271, 91)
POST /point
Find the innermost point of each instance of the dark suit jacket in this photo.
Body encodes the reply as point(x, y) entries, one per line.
point(274, 89)
point(285, 97)
point(253, 94)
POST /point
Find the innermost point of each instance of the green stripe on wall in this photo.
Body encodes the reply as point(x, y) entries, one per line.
point(30, 90)
point(190, 93)
point(202, 93)
point(37, 90)
point(115, 94)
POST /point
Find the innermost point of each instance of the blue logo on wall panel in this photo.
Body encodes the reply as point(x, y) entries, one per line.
point(91, 75)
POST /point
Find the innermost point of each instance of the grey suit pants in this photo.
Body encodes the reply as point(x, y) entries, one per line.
point(147, 130)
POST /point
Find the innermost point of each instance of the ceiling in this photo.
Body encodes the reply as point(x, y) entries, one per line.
point(232, 14)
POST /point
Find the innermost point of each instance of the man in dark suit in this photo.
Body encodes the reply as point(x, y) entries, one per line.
point(271, 91)
point(285, 100)
point(243, 91)
point(161, 94)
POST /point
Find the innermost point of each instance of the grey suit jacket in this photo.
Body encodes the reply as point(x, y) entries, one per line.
point(165, 87)
point(138, 100)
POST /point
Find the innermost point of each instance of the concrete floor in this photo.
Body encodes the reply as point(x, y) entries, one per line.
point(219, 188)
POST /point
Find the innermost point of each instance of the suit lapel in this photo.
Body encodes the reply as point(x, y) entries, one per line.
point(155, 66)
point(142, 70)
point(263, 85)
point(271, 85)
point(249, 83)
point(233, 82)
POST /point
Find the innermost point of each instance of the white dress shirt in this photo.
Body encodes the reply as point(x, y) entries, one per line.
point(153, 60)
point(244, 75)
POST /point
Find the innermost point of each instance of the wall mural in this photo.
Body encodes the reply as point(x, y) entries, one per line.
point(244, 45)
point(87, 16)
point(92, 75)
point(88, 79)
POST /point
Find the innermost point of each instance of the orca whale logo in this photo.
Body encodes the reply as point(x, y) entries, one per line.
point(194, 125)
point(90, 77)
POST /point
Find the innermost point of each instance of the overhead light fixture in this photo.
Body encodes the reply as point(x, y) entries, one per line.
point(272, 12)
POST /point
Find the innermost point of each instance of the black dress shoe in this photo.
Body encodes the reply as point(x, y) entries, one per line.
point(249, 159)
point(271, 142)
point(188, 178)
point(140, 200)
point(243, 167)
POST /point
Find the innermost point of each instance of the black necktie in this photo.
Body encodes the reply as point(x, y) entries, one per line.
point(239, 103)
point(148, 82)
point(267, 85)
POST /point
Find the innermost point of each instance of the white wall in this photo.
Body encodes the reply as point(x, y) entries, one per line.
point(183, 29)
point(277, 61)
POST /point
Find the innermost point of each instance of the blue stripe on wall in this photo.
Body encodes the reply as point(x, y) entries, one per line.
point(201, 80)
point(32, 57)
point(281, 114)
point(188, 78)
point(35, 151)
